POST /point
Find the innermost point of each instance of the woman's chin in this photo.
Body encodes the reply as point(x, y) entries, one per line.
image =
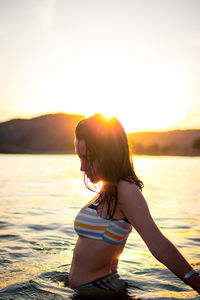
point(94, 180)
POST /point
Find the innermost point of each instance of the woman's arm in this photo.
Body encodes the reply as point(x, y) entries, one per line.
point(135, 209)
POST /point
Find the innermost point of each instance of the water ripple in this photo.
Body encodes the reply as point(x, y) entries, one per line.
point(9, 236)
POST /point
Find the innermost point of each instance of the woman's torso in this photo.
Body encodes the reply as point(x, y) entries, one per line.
point(94, 258)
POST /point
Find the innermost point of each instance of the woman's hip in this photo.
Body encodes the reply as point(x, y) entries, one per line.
point(111, 282)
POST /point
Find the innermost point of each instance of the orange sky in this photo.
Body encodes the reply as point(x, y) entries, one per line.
point(137, 60)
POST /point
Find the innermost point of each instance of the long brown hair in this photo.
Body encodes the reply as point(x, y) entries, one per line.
point(106, 140)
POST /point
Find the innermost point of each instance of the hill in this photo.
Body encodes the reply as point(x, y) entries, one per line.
point(54, 133)
point(179, 142)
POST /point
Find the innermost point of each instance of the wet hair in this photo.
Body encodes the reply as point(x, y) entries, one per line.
point(107, 142)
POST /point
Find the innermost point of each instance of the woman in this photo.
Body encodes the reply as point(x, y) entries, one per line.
point(103, 225)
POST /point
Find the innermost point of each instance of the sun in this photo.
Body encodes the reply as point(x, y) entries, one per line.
point(157, 100)
point(142, 97)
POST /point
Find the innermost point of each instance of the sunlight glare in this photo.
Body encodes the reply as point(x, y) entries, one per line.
point(143, 97)
point(107, 115)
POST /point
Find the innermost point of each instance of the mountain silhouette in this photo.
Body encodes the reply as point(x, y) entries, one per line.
point(54, 133)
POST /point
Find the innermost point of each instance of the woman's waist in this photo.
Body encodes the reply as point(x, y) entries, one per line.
point(92, 261)
point(93, 253)
point(80, 275)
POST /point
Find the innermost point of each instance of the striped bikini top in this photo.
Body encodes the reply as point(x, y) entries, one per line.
point(89, 224)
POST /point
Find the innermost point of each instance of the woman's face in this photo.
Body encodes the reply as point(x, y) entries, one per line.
point(89, 165)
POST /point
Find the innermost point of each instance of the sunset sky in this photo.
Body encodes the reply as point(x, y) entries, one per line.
point(137, 60)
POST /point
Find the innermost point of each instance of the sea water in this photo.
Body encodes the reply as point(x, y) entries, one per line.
point(40, 196)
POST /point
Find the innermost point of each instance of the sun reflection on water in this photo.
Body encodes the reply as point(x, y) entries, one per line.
point(38, 208)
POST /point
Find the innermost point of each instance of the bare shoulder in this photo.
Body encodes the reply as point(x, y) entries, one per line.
point(131, 201)
point(127, 191)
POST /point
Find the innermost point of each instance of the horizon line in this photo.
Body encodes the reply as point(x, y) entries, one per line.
point(37, 115)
